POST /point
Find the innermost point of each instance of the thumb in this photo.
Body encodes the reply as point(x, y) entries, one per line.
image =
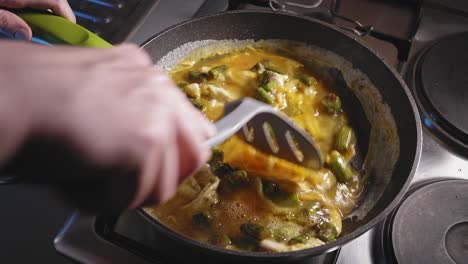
point(15, 25)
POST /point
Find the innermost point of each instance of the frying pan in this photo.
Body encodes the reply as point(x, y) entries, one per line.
point(384, 186)
point(379, 198)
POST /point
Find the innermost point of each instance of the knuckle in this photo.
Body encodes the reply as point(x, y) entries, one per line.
point(9, 20)
point(12, 3)
point(3, 17)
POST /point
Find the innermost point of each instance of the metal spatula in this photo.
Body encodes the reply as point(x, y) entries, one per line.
point(269, 131)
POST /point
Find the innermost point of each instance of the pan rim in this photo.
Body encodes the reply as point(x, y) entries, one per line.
point(342, 240)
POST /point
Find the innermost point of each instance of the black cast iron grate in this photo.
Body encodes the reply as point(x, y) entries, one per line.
point(113, 20)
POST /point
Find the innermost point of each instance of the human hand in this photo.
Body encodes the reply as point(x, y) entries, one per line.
point(18, 27)
point(112, 108)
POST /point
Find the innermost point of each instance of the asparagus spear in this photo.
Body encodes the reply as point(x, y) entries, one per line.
point(340, 167)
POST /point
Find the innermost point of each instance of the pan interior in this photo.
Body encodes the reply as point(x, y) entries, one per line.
point(378, 141)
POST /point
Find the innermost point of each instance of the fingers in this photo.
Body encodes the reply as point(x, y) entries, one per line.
point(189, 113)
point(178, 132)
point(157, 138)
point(193, 152)
point(193, 130)
point(15, 25)
point(208, 128)
point(59, 7)
point(182, 152)
point(167, 180)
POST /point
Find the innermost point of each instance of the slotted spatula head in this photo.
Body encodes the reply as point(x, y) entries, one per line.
point(269, 131)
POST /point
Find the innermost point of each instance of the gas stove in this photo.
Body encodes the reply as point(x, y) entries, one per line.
point(424, 41)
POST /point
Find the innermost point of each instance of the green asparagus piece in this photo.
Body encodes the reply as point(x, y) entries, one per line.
point(332, 103)
point(340, 167)
point(198, 77)
point(306, 80)
point(270, 189)
point(182, 85)
point(265, 65)
point(221, 240)
point(327, 232)
point(264, 96)
point(274, 69)
point(270, 67)
point(258, 68)
point(216, 160)
point(203, 219)
point(344, 139)
point(269, 80)
point(313, 216)
point(284, 233)
point(269, 86)
point(237, 178)
point(298, 240)
point(215, 72)
point(264, 79)
point(280, 197)
point(230, 177)
point(306, 234)
point(254, 230)
point(198, 103)
point(223, 170)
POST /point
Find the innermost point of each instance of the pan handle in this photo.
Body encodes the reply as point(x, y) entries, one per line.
point(403, 45)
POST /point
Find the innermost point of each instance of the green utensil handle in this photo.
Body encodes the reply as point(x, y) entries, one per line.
point(64, 30)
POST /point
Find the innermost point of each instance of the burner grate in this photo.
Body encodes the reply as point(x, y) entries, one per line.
point(113, 20)
point(439, 83)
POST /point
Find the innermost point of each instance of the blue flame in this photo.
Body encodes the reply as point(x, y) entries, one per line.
point(102, 3)
point(40, 41)
point(427, 122)
point(87, 16)
point(6, 34)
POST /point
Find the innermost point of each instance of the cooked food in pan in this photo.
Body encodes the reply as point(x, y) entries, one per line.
point(247, 200)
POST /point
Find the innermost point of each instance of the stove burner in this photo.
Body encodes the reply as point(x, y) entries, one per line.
point(441, 85)
point(429, 226)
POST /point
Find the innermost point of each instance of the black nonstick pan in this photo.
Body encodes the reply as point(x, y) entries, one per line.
point(384, 187)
